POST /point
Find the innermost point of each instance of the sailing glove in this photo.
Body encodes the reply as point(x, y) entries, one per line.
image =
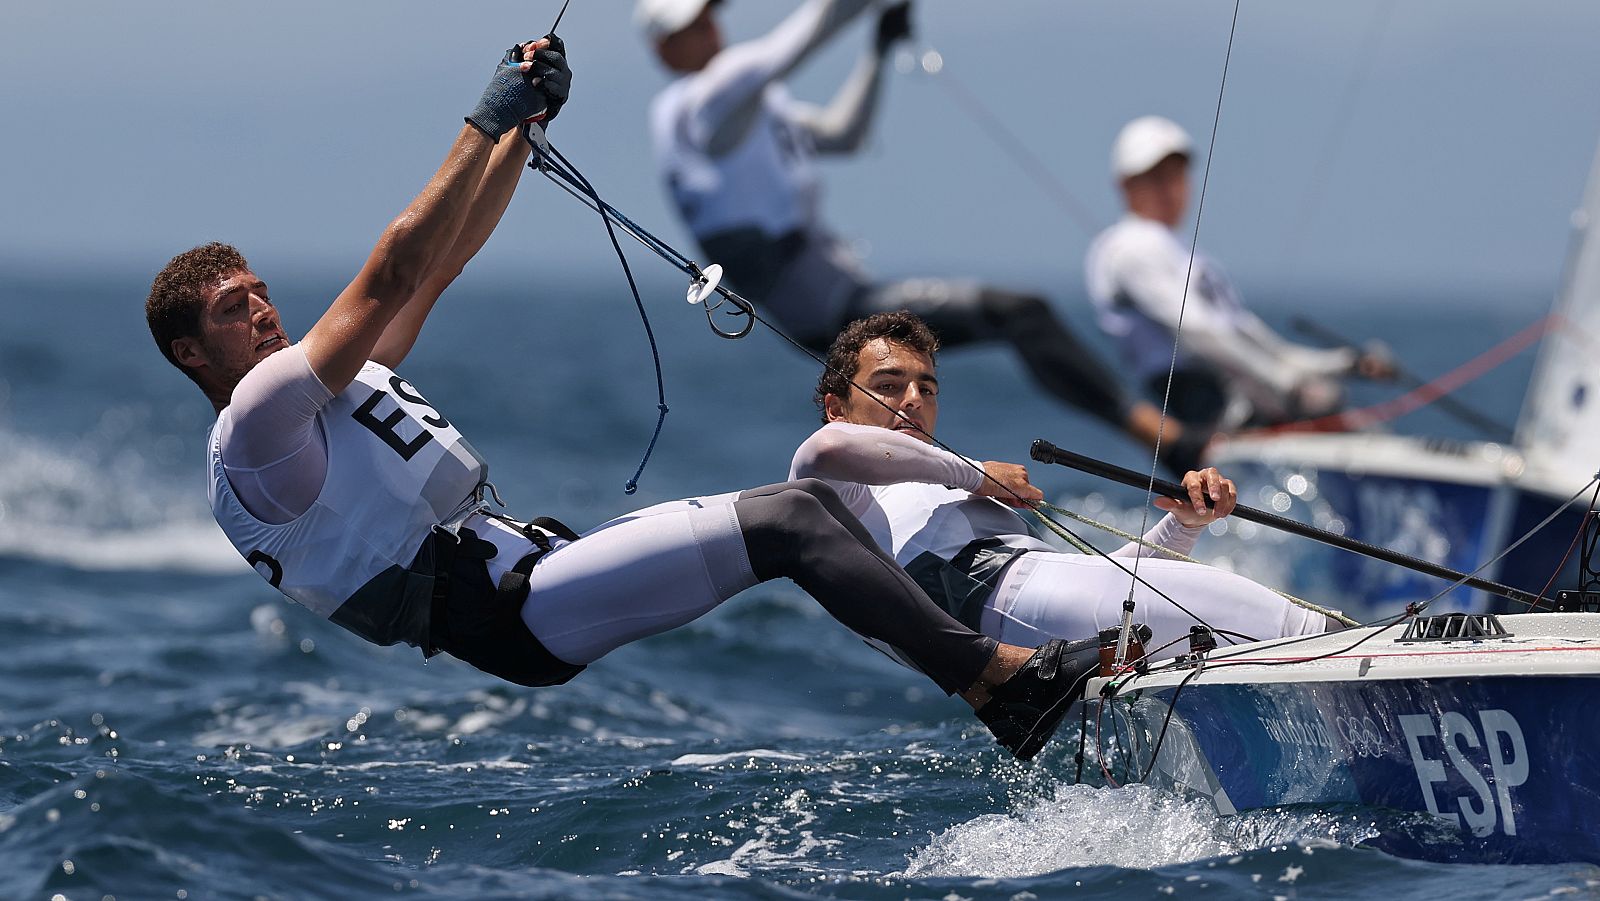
point(515, 95)
point(894, 24)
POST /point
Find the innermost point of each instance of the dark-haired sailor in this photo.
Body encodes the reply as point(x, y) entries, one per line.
point(357, 497)
point(1232, 369)
point(960, 535)
point(737, 153)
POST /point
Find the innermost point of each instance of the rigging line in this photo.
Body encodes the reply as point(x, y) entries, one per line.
point(554, 25)
point(1045, 452)
point(1172, 705)
point(1531, 605)
point(1140, 540)
point(1430, 391)
point(1083, 741)
point(1577, 537)
point(1183, 304)
point(1078, 543)
point(1081, 545)
point(931, 62)
point(632, 485)
point(606, 208)
point(1100, 745)
point(1311, 199)
point(666, 252)
point(1447, 403)
point(1225, 658)
point(683, 263)
point(566, 181)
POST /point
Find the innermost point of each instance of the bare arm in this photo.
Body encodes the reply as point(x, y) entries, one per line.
point(426, 243)
point(488, 204)
point(408, 251)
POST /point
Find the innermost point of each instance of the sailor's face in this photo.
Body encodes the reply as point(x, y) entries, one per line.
point(1161, 192)
point(239, 327)
point(1170, 182)
point(691, 48)
point(902, 392)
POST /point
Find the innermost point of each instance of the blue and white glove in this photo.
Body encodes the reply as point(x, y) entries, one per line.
point(516, 94)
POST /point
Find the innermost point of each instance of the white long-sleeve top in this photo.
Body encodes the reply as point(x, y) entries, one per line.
point(916, 498)
point(736, 149)
point(1136, 271)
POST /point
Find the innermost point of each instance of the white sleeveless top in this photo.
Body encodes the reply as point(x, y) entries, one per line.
point(396, 468)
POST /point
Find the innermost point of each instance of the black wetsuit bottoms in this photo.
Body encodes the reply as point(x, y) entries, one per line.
point(803, 531)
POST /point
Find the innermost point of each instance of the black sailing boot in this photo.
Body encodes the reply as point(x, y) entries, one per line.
point(1023, 711)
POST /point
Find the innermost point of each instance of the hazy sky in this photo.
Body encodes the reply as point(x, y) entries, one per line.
point(1426, 146)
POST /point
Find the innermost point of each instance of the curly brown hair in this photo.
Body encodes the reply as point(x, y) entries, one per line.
point(844, 355)
point(176, 296)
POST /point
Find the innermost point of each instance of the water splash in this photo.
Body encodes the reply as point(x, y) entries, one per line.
point(96, 506)
point(1135, 827)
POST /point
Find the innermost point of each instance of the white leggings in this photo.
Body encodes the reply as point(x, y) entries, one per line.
point(585, 598)
point(1045, 595)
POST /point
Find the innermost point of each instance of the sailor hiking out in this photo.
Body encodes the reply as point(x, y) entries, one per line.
point(1232, 369)
point(953, 523)
point(737, 153)
point(348, 489)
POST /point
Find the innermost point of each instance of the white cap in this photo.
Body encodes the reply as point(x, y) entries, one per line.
point(1146, 141)
point(659, 18)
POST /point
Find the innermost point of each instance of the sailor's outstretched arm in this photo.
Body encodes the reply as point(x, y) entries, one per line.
point(1155, 282)
point(489, 203)
point(842, 126)
point(413, 246)
point(725, 97)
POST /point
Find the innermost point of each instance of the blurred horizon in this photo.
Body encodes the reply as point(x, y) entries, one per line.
point(1425, 149)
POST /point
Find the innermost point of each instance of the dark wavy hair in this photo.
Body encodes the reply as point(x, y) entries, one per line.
point(844, 355)
point(176, 296)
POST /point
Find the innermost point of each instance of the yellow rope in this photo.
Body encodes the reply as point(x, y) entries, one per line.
point(1084, 547)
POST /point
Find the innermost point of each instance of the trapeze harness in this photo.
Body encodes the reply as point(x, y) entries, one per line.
point(383, 550)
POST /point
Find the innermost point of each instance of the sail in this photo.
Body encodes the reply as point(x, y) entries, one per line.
point(1559, 432)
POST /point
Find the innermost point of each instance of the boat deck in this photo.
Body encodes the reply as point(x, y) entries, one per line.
point(1537, 644)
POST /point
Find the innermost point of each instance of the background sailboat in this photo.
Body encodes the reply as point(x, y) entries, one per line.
point(1457, 503)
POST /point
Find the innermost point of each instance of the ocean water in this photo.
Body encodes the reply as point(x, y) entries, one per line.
point(170, 728)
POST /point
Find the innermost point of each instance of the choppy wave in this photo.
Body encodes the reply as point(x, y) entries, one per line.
point(169, 725)
point(93, 505)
